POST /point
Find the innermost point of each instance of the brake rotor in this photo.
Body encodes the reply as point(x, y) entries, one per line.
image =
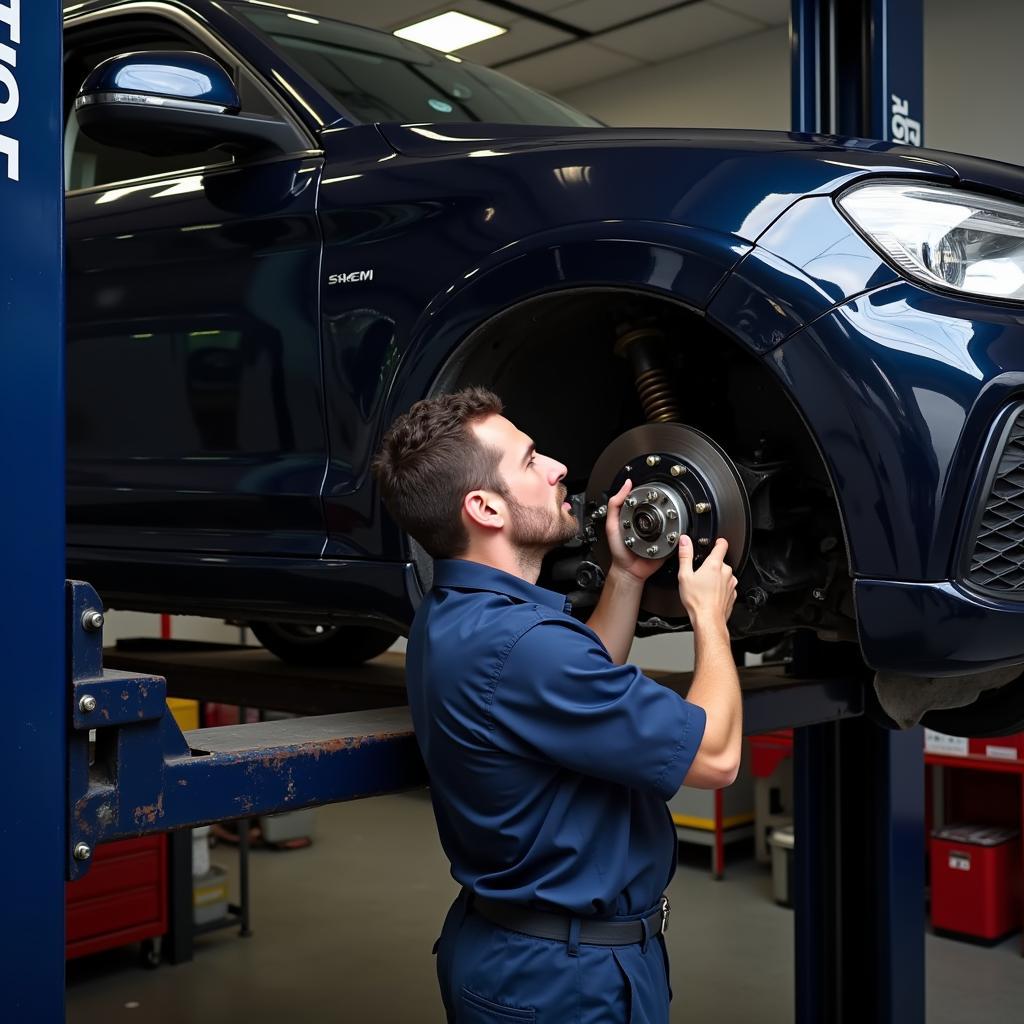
point(683, 482)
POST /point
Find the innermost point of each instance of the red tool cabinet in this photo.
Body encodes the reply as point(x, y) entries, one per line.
point(122, 898)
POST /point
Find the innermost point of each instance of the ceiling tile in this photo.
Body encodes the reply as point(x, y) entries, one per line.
point(545, 6)
point(680, 31)
point(768, 12)
point(523, 36)
point(595, 15)
point(568, 67)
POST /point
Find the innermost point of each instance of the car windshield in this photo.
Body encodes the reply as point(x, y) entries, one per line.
point(379, 77)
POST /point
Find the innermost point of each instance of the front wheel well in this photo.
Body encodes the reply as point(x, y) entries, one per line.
point(553, 361)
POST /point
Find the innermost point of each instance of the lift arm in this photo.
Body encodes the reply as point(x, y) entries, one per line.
point(142, 774)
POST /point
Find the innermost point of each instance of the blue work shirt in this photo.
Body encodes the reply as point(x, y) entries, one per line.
point(549, 764)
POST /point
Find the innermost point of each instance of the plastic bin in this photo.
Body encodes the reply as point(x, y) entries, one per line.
point(782, 843)
point(210, 896)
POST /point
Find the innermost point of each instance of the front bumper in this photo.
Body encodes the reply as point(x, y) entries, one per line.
point(935, 629)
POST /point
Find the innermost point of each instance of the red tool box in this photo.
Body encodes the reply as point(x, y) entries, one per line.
point(975, 876)
point(122, 898)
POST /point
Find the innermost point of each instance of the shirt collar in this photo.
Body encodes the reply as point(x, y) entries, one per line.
point(467, 575)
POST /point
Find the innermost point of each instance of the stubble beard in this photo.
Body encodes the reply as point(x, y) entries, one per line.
point(536, 531)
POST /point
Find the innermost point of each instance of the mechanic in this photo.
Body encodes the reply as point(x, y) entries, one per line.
point(550, 758)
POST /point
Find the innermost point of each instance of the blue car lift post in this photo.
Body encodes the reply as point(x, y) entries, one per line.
point(857, 71)
point(859, 898)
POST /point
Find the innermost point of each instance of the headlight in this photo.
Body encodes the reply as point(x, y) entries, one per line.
point(944, 237)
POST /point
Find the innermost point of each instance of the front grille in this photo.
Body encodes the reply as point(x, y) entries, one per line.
point(997, 554)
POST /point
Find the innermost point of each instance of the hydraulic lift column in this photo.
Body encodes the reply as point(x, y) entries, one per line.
point(859, 789)
point(32, 680)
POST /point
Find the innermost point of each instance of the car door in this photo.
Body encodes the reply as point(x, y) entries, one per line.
point(194, 391)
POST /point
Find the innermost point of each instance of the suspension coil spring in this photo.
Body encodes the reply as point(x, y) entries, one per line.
point(654, 388)
point(656, 397)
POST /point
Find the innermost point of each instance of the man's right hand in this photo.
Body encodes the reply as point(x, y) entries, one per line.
point(709, 593)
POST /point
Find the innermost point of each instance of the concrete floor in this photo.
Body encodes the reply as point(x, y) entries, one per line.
point(343, 931)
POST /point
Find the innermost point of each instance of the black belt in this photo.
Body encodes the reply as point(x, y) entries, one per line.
point(592, 932)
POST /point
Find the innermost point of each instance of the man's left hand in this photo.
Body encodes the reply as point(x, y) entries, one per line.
point(622, 558)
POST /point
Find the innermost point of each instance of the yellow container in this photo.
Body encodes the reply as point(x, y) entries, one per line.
point(186, 712)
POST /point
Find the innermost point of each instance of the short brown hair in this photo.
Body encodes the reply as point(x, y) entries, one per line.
point(430, 459)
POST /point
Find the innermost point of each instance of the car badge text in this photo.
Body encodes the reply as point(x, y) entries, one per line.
point(351, 278)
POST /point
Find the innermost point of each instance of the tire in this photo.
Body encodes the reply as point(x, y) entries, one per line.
point(322, 646)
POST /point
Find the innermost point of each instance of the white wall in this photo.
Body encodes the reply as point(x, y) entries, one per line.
point(973, 86)
point(743, 83)
point(972, 76)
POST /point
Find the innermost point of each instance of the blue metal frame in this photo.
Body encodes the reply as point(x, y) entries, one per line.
point(142, 774)
point(859, 789)
point(32, 827)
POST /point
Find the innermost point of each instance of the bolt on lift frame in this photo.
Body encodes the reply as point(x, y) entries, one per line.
point(860, 789)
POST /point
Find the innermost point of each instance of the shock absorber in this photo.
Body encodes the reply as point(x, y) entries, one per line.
point(641, 347)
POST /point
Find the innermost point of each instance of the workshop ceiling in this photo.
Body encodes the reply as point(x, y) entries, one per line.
point(557, 45)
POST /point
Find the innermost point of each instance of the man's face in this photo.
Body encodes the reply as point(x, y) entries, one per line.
point(539, 516)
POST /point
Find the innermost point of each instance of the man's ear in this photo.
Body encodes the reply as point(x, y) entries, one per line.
point(484, 509)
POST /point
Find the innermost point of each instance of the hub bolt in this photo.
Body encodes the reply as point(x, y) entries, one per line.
point(631, 502)
point(653, 549)
point(627, 524)
point(83, 851)
point(670, 513)
point(672, 538)
point(87, 704)
point(653, 460)
point(677, 470)
point(701, 506)
point(601, 512)
point(629, 541)
point(704, 542)
point(652, 496)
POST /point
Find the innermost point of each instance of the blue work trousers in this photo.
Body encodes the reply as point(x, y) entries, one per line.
point(491, 975)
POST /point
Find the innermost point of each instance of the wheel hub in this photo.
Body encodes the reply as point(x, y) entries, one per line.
point(683, 483)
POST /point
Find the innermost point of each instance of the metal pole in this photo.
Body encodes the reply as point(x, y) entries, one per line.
point(857, 71)
point(33, 683)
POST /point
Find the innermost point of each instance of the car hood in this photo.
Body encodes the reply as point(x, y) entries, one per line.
point(832, 158)
point(426, 140)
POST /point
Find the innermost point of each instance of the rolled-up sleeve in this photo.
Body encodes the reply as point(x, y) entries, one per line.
point(561, 696)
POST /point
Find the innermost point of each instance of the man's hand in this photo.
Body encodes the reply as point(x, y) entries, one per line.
point(709, 593)
point(622, 558)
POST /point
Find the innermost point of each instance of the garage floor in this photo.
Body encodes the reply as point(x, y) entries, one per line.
point(343, 931)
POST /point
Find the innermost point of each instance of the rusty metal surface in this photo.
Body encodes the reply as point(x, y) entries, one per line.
point(347, 729)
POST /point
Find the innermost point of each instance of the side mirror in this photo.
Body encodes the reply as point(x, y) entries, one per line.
point(161, 102)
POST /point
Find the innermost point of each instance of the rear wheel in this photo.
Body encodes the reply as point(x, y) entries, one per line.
point(323, 645)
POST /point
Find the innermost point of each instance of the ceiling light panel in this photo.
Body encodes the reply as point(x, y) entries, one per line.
point(450, 31)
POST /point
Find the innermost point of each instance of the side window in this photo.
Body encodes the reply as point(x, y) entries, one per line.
point(88, 163)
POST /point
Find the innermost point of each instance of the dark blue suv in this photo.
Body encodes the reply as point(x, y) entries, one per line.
point(283, 230)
